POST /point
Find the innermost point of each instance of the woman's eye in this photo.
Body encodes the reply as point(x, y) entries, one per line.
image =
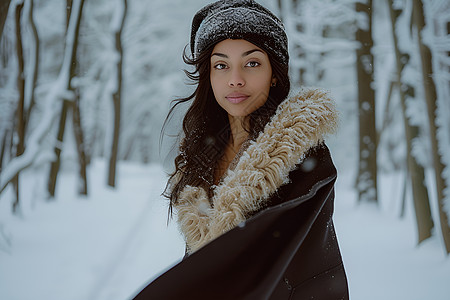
point(253, 64)
point(220, 66)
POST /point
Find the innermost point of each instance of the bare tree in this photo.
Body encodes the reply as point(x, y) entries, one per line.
point(4, 6)
point(415, 171)
point(79, 138)
point(431, 99)
point(25, 96)
point(19, 121)
point(32, 76)
point(77, 126)
point(367, 170)
point(67, 103)
point(120, 15)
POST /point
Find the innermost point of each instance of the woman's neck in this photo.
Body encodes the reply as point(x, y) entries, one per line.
point(238, 132)
point(238, 136)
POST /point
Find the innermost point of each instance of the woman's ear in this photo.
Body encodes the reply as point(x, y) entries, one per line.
point(274, 81)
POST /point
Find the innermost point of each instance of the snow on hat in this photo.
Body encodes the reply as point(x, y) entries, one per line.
point(239, 19)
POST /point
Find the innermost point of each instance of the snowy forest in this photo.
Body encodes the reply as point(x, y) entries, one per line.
point(85, 86)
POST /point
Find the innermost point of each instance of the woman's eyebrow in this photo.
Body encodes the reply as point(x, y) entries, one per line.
point(220, 55)
point(250, 52)
point(243, 54)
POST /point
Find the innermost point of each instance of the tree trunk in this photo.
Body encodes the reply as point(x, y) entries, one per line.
point(280, 10)
point(8, 144)
point(415, 171)
point(54, 168)
point(20, 122)
point(29, 103)
point(79, 138)
point(367, 169)
point(4, 7)
point(68, 12)
point(37, 139)
point(431, 99)
point(117, 99)
point(386, 115)
point(3, 148)
point(76, 114)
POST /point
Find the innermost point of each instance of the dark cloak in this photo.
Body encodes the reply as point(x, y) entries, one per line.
point(288, 250)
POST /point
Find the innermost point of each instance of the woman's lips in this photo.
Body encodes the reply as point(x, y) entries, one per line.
point(236, 97)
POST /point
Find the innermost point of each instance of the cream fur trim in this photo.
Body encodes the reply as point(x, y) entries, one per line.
point(299, 123)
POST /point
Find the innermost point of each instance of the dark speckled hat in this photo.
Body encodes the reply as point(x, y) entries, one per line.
point(239, 19)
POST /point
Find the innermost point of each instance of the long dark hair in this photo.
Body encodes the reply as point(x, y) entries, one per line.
point(206, 127)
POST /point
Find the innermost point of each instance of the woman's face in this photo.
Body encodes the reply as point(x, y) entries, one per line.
point(241, 76)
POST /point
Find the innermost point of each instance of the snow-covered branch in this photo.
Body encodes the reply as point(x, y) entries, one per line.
point(57, 92)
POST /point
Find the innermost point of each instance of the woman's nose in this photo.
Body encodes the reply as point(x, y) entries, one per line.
point(236, 79)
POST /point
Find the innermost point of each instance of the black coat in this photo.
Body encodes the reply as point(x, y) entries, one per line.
point(288, 250)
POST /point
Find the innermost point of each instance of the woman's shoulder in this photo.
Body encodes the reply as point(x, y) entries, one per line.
point(316, 166)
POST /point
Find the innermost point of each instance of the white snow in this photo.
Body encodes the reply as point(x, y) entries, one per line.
point(110, 244)
point(104, 246)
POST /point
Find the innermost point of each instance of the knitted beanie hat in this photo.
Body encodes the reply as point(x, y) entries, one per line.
point(239, 19)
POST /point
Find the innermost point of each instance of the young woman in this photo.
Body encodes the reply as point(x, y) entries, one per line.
point(253, 186)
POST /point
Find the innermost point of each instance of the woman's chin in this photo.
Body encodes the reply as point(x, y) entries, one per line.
point(238, 114)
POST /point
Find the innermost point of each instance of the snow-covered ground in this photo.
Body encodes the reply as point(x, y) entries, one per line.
point(109, 244)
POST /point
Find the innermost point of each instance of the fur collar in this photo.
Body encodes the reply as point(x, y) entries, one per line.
point(300, 122)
